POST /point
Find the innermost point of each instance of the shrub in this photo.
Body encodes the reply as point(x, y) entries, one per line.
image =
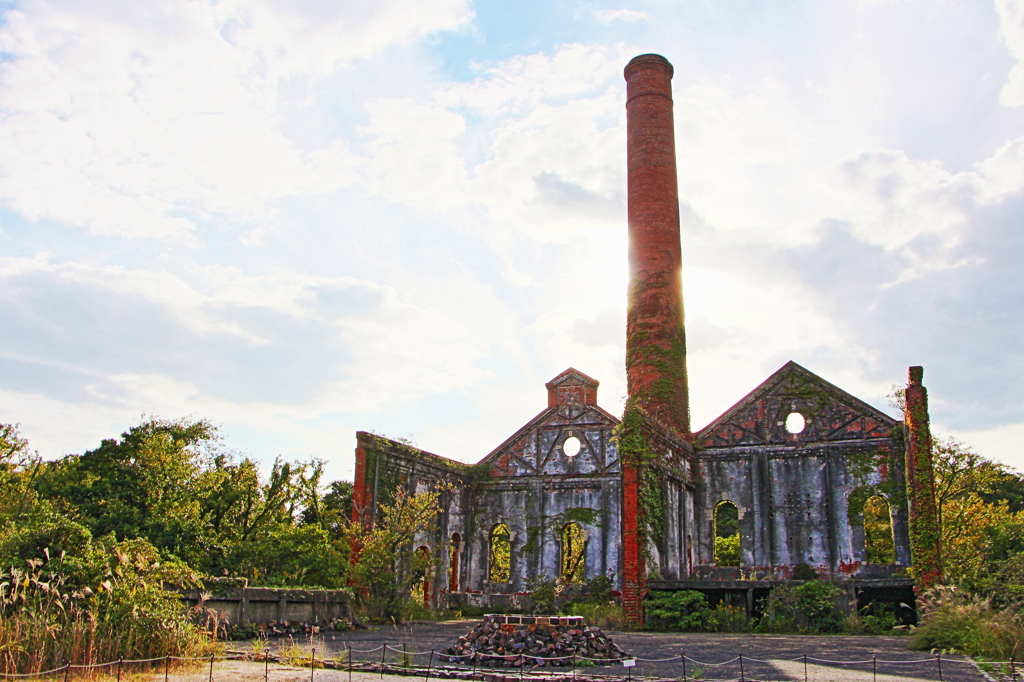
point(683, 610)
point(544, 592)
point(724, 618)
point(804, 572)
point(808, 608)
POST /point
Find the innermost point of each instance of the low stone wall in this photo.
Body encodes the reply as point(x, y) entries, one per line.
point(256, 605)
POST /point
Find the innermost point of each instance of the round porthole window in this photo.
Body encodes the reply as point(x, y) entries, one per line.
point(795, 422)
point(571, 446)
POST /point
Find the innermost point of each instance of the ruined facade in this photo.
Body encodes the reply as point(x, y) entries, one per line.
point(798, 476)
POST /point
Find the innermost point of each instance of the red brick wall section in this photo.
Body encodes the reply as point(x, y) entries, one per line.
point(925, 533)
point(362, 493)
point(632, 559)
point(655, 339)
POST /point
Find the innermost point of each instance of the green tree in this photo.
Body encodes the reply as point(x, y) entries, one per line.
point(388, 564)
point(982, 534)
point(18, 468)
point(143, 485)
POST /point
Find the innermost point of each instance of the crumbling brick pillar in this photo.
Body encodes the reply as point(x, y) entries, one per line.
point(655, 339)
point(925, 532)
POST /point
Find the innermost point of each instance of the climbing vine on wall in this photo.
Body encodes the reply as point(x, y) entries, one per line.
point(635, 450)
point(925, 533)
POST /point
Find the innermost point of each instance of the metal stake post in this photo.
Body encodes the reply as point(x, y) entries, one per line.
point(874, 668)
point(683, 656)
point(741, 667)
point(405, 656)
point(119, 661)
point(167, 667)
point(805, 667)
point(266, 665)
point(211, 666)
point(383, 655)
point(430, 664)
point(938, 660)
point(67, 669)
point(312, 663)
point(1013, 670)
point(349, 663)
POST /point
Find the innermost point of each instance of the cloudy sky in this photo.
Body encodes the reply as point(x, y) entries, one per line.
point(301, 219)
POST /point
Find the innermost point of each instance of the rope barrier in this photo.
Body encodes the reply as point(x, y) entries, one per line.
point(522, 659)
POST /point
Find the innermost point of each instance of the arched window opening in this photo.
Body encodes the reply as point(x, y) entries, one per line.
point(727, 534)
point(501, 555)
point(878, 541)
point(573, 545)
point(456, 549)
point(421, 588)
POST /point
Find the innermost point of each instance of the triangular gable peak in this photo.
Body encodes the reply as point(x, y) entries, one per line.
point(539, 447)
point(829, 414)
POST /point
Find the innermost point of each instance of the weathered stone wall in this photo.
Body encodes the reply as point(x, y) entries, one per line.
point(800, 494)
point(256, 605)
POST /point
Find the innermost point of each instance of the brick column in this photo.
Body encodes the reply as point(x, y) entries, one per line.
point(925, 532)
point(633, 573)
point(655, 339)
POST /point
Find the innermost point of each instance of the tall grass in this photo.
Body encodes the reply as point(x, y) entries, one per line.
point(45, 624)
point(604, 616)
point(956, 621)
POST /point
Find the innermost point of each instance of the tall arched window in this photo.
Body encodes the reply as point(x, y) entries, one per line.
point(727, 534)
point(456, 548)
point(501, 555)
point(878, 542)
point(573, 541)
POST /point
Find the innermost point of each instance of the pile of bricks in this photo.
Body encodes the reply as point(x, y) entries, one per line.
point(534, 641)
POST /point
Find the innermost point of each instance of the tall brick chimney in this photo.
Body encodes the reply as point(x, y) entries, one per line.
point(655, 338)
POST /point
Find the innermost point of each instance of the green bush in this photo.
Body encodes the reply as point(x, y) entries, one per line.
point(683, 610)
point(808, 608)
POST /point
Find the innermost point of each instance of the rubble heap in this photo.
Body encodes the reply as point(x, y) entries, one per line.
point(512, 641)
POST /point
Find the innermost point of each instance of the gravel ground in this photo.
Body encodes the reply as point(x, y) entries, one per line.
point(765, 657)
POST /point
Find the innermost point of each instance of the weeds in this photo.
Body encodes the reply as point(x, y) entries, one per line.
point(45, 624)
point(957, 621)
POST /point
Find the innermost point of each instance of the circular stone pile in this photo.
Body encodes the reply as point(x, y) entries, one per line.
point(513, 641)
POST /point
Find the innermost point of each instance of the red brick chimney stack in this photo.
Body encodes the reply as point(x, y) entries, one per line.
point(655, 338)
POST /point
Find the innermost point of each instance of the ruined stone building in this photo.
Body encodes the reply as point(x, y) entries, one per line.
point(798, 476)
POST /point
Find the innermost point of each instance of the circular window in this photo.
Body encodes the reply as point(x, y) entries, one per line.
point(571, 446)
point(795, 422)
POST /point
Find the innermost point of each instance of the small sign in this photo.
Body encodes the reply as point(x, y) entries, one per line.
point(629, 663)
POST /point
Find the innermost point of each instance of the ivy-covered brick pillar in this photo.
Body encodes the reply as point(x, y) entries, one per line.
point(925, 533)
point(655, 340)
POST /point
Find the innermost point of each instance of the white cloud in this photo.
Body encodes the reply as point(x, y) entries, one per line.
point(1011, 23)
point(139, 120)
point(607, 16)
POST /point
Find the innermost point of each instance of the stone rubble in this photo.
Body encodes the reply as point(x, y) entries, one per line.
point(512, 641)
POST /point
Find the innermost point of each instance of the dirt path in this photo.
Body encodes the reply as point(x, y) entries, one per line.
point(709, 656)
